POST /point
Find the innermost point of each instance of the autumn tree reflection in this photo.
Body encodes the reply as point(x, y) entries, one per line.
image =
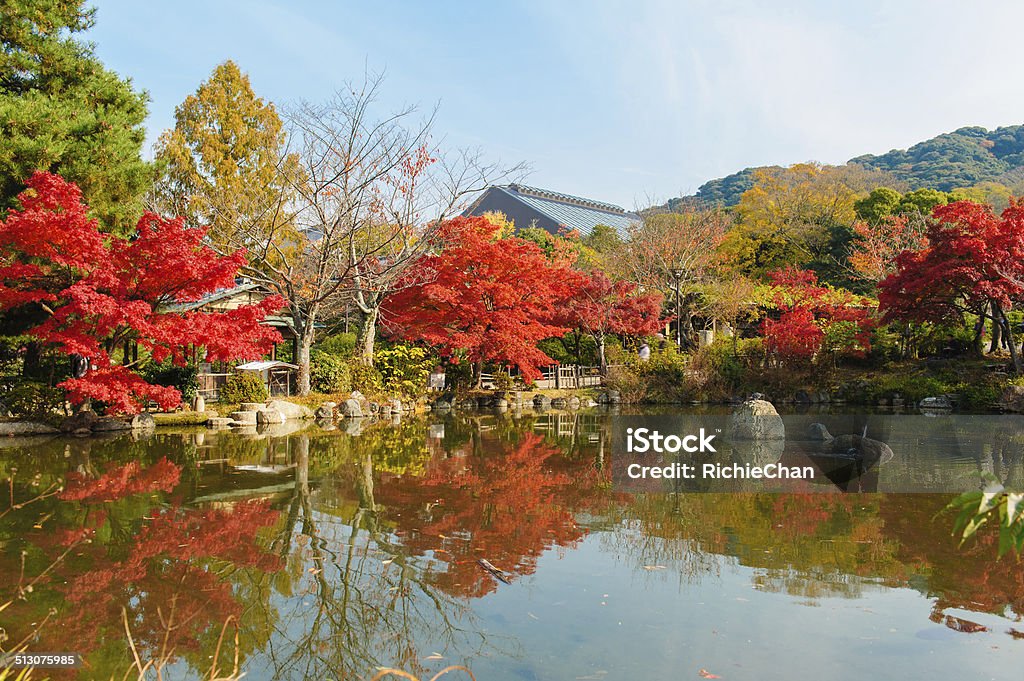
point(118, 548)
point(508, 506)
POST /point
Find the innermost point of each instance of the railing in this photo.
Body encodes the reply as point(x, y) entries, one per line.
point(568, 376)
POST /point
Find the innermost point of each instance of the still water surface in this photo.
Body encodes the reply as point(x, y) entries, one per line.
point(337, 552)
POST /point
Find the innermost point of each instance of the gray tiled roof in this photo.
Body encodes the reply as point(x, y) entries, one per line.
point(572, 211)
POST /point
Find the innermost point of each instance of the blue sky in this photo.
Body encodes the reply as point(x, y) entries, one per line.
point(617, 101)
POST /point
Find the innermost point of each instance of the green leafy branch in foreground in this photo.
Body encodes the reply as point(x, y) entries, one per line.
point(978, 508)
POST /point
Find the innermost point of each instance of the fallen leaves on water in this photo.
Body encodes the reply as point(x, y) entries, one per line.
point(705, 674)
point(654, 567)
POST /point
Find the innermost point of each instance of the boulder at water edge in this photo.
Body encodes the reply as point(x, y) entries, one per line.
point(350, 409)
point(756, 420)
point(325, 412)
point(290, 409)
point(270, 416)
point(143, 421)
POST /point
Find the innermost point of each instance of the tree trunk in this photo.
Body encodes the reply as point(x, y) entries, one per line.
point(367, 337)
point(1011, 341)
point(479, 371)
point(600, 354)
point(979, 330)
point(302, 359)
point(31, 367)
point(997, 332)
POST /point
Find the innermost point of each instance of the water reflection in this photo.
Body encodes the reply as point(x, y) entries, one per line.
point(338, 553)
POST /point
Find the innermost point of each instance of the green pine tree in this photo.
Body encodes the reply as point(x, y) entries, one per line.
point(61, 110)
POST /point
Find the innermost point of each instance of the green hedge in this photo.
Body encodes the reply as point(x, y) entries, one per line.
point(244, 386)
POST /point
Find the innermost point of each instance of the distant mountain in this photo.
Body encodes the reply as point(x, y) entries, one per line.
point(961, 158)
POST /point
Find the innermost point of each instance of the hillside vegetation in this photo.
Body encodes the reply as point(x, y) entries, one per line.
point(960, 159)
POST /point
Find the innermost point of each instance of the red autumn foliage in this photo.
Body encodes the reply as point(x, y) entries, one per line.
point(152, 566)
point(493, 298)
point(972, 258)
point(121, 481)
point(102, 292)
point(874, 253)
point(166, 564)
point(813, 315)
point(794, 334)
point(507, 507)
point(599, 306)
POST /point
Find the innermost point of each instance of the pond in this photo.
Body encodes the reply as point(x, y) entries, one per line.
point(328, 554)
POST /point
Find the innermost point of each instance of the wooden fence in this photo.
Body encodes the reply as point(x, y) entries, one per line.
point(557, 376)
point(568, 377)
point(210, 385)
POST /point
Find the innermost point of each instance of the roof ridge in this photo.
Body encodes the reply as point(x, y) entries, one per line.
point(566, 198)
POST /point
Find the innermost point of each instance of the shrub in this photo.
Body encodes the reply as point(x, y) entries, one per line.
point(34, 400)
point(912, 387)
point(981, 394)
point(341, 344)
point(365, 379)
point(404, 369)
point(185, 379)
point(662, 378)
point(329, 373)
point(504, 380)
point(244, 386)
point(626, 378)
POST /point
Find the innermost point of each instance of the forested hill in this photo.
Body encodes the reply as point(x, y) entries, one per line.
point(962, 158)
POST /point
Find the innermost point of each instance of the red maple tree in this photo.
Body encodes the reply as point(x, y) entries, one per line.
point(100, 293)
point(815, 318)
point(492, 298)
point(599, 306)
point(973, 263)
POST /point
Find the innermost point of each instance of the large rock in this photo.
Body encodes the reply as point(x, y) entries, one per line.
point(83, 420)
point(244, 418)
point(252, 406)
point(541, 401)
point(573, 403)
point(12, 428)
point(107, 424)
point(818, 432)
point(199, 403)
point(559, 403)
point(143, 421)
point(756, 420)
point(940, 403)
point(290, 409)
point(218, 422)
point(325, 412)
point(351, 409)
point(270, 416)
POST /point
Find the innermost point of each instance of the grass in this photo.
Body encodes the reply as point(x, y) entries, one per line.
point(181, 418)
